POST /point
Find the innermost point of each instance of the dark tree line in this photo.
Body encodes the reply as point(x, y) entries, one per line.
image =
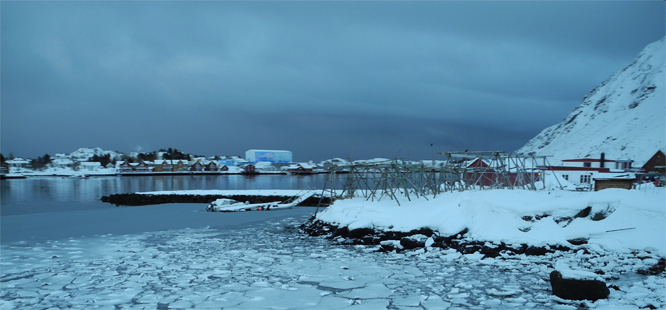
point(40, 162)
point(167, 154)
point(174, 154)
point(104, 159)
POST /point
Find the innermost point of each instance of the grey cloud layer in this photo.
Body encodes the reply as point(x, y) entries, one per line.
point(264, 74)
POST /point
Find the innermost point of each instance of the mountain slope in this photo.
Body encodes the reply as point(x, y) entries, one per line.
point(624, 117)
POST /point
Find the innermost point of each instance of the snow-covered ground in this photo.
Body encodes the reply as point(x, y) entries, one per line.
point(618, 219)
point(64, 172)
point(269, 264)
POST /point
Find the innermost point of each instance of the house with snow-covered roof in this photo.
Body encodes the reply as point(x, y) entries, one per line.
point(127, 167)
point(61, 161)
point(18, 163)
point(90, 166)
point(583, 171)
point(211, 166)
point(301, 168)
point(196, 166)
point(656, 163)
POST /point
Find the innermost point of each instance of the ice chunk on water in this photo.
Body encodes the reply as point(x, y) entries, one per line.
point(433, 302)
point(374, 290)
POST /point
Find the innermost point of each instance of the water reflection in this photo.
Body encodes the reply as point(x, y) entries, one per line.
point(47, 194)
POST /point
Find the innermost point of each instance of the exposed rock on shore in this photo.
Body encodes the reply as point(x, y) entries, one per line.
point(422, 238)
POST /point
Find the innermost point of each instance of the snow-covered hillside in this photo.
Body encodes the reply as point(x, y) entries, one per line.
point(624, 117)
point(84, 154)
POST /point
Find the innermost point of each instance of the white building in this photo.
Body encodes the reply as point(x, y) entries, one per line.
point(583, 171)
point(61, 161)
point(271, 156)
point(18, 163)
point(90, 166)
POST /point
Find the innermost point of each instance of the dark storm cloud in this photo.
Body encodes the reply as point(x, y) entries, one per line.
point(323, 79)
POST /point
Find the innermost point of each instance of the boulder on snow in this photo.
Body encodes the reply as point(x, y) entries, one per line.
point(577, 289)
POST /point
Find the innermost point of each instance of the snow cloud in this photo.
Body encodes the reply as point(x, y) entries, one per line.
point(322, 79)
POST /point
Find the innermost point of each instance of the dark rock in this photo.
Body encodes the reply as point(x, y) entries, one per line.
point(422, 231)
point(388, 247)
point(584, 213)
point(566, 220)
point(360, 232)
point(576, 289)
point(656, 269)
point(394, 235)
point(341, 232)
point(578, 241)
point(599, 216)
point(493, 252)
point(536, 251)
point(316, 228)
point(410, 244)
point(369, 240)
point(558, 247)
point(439, 242)
point(470, 248)
point(539, 217)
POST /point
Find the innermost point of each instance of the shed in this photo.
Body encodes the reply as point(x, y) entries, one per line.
point(604, 183)
point(656, 163)
point(249, 169)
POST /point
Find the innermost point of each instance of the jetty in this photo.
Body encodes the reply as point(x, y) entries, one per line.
point(304, 197)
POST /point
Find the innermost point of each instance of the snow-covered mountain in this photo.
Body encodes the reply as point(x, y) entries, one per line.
point(623, 117)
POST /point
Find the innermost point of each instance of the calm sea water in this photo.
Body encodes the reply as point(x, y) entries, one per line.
point(55, 194)
point(54, 208)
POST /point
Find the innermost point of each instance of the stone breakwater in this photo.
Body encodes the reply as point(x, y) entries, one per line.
point(134, 199)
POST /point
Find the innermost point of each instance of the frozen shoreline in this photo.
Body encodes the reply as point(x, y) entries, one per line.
point(179, 256)
point(273, 266)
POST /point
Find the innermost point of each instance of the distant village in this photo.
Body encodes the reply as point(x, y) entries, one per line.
point(479, 168)
point(97, 162)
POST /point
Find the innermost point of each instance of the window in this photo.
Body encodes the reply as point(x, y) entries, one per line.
point(585, 178)
point(587, 164)
point(565, 176)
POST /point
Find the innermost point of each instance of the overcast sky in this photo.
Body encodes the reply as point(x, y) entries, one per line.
point(325, 79)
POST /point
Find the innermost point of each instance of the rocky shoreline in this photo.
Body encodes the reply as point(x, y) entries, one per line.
point(425, 238)
point(422, 238)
